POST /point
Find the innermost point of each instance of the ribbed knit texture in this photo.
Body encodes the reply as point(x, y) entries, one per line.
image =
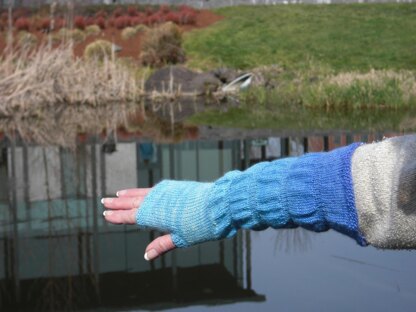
point(314, 191)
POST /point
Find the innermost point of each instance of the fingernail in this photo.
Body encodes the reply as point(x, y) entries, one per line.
point(106, 200)
point(107, 213)
point(150, 255)
point(121, 193)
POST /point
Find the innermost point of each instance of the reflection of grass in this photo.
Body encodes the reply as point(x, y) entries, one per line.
point(343, 36)
point(300, 118)
point(62, 125)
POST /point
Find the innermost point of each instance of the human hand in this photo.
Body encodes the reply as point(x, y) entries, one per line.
point(123, 210)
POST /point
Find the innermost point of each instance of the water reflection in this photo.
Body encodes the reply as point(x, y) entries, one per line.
point(58, 253)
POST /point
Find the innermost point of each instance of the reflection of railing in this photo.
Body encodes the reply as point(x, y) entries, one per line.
point(56, 243)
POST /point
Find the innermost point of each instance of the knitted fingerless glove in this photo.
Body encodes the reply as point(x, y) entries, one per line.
point(313, 191)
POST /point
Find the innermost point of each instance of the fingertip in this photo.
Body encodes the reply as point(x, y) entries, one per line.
point(159, 246)
point(151, 254)
point(106, 213)
point(121, 193)
point(107, 201)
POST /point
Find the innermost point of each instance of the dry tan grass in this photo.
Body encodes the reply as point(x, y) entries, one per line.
point(26, 40)
point(93, 30)
point(48, 77)
point(128, 33)
point(162, 45)
point(378, 78)
point(99, 50)
point(48, 97)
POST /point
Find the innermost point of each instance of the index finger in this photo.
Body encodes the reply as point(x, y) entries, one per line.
point(134, 192)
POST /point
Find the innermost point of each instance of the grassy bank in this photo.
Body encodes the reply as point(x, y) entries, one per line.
point(321, 89)
point(348, 66)
point(345, 37)
point(320, 99)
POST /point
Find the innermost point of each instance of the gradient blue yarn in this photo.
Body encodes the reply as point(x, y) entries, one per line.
point(314, 191)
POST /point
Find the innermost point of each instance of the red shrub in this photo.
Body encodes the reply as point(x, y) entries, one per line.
point(122, 22)
point(137, 20)
point(165, 9)
point(112, 22)
point(19, 13)
point(22, 23)
point(4, 16)
point(187, 18)
point(101, 13)
point(118, 12)
point(132, 11)
point(44, 24)
point(60, 23)
point(89, 21)
point(160, 17)
point(100, 22)
point(79, 22)
point(148, 11)
point(154, 19)
point(172, 17)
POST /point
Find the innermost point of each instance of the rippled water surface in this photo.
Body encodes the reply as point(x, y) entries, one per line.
point(57, 253)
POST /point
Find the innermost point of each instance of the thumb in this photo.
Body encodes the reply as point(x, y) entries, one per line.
point(159, 246)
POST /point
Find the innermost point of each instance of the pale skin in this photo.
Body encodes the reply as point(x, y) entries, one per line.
point(123, 209)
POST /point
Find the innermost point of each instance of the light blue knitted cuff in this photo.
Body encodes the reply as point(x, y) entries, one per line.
point(178, 207)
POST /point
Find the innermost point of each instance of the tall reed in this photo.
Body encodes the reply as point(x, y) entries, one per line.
point(46, 77)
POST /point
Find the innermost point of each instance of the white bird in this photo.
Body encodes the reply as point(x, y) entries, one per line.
point(239, 83)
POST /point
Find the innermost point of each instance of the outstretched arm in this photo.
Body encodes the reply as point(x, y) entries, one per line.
point(366, 192)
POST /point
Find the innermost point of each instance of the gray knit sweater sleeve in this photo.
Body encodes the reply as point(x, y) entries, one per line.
point(384, 176)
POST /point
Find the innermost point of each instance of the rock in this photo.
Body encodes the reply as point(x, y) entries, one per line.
point(226, 75)
point(174, 78)
point(267, 76)
point(205, 83)
point(170, 78)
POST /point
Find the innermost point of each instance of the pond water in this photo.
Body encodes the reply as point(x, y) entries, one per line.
point(57, 253)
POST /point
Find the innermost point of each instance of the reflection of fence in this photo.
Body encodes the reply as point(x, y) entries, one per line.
point(59, 252)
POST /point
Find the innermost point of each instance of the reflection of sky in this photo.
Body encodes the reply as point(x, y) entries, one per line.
point(332, 274)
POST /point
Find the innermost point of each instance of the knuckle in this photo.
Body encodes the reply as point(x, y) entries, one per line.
point(162, 245)
point(135, 202)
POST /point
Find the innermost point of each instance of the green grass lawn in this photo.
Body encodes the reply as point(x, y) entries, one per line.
point(344, 37)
